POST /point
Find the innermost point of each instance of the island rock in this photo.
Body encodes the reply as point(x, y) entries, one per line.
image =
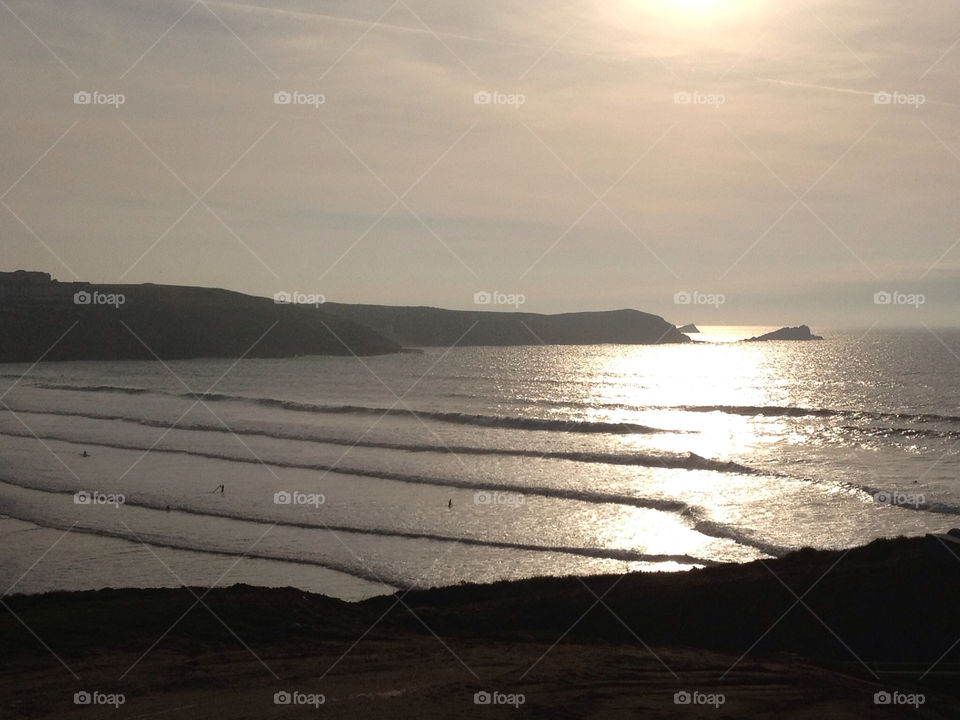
point(801, 332)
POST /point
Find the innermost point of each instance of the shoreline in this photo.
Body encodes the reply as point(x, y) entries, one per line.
point(815, 633)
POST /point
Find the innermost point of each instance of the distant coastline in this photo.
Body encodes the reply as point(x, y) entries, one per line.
point(41, 317)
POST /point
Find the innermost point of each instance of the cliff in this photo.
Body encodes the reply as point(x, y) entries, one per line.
point(426, 326)
point(132, 322)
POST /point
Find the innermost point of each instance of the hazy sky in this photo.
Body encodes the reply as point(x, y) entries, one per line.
point(782, 185)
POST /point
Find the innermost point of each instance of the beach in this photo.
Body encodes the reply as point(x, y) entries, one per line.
point(813, 634)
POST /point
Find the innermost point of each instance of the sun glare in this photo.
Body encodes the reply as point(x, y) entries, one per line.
point(692, 5)
point(696, 11)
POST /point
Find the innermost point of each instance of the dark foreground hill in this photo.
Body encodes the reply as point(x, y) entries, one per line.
point(134, 322)
point(862, 633)
point(426, 326)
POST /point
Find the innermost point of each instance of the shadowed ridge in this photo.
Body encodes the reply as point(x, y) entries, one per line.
point(132, 322)
point(435, 327)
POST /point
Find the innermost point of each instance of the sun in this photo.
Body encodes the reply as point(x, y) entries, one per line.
point(694, 9)
point(700, 9)
point(692, 5)
point(673, 28)
point(677, 13)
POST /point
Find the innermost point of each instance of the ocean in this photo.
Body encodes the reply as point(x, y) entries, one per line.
point(354, 477)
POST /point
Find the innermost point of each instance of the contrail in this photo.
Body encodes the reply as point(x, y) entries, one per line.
point(320, 17)
point(852, 91)
point(425, 31)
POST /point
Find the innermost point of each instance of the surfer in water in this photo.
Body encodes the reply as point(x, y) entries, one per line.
point(219, 489)
point(449, 503)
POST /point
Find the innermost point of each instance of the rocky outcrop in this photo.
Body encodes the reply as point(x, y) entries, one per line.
point(801, 332)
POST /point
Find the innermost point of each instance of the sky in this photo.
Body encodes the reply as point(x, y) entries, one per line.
point(724, 161)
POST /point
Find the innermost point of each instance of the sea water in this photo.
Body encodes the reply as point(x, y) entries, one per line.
point(354, 477)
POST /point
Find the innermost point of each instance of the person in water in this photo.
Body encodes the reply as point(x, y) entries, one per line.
point(219, 489)
point(449, 503)
point(84, 454)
